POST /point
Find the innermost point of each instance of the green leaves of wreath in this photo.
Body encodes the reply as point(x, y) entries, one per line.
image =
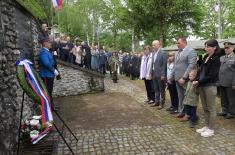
point(25, 85)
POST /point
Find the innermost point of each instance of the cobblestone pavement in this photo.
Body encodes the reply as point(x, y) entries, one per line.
point(170, 137)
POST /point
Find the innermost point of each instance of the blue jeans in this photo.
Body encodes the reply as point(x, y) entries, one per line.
point(192, 112)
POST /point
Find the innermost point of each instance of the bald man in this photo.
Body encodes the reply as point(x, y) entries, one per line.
point(157, 73)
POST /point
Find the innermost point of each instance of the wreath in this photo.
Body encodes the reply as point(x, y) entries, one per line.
point(25, 85)
point(34, 87)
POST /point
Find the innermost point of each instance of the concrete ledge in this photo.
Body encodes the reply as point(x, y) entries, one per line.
point(88, 71)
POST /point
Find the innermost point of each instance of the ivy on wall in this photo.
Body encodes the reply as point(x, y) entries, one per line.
point(35, 8)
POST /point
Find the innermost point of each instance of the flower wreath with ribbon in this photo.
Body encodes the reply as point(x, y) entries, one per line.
point(33, 86)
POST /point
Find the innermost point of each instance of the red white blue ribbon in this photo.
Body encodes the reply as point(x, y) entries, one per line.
point(44, 98)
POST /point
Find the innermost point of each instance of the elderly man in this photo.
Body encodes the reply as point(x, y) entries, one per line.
point(157, 72)
point(227, 81)
point(185, 59)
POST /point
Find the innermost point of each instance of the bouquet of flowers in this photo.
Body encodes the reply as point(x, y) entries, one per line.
point(31, 129)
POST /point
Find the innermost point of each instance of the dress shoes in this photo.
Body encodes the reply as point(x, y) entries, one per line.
point(155, 104)
point(170, 109)
point(229, 116)
point(151, 102)
point(174, 112)
point(160, 107)
point(147, 101)
point(184, 119)
point(221, 114)
point(193, 124)
point(179, 115)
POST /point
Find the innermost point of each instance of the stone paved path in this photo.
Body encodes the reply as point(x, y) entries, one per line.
point(168, 137)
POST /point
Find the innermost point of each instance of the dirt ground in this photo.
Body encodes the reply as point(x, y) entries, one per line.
point(104, 110)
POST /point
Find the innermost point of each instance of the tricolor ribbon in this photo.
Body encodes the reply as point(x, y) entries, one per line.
point(44, 98)
point(57, 3)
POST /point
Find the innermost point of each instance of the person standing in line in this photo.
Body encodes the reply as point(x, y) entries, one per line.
point(158, 72)
point(207, 85)
point(185, 59)
point(227, 82)
point(121, 55)
point(171, 85)
point(144, 67)
point(94, 58)
point(45, 32)
point(47, 68)
point(78, 54)
point(102, 60)
point(113, 62)
point(191, 100)
point(87, 58)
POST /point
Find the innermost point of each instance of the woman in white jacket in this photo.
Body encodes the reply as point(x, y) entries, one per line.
point(145, 68)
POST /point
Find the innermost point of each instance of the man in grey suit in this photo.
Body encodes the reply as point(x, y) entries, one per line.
point(185, 59)
point(158, 70)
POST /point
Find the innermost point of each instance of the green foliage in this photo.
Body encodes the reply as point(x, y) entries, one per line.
point(35, 8)
point(209, 27)
point(164, 18)
point(123, 41)
point(111, 22)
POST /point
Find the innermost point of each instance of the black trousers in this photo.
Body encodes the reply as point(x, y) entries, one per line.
point(49, 82)
point(192, 112)
point(149, 89)
point(102, 68)
point(173, 95)
point(227, 95)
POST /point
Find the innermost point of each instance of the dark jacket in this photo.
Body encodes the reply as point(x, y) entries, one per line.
point(227, 71)
point(211, 71)
point(102, 58)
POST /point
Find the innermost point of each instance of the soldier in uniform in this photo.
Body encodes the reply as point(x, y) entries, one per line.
point(227, 81)
point(113, 62)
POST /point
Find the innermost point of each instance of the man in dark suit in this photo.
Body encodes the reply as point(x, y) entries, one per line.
point(158, 72)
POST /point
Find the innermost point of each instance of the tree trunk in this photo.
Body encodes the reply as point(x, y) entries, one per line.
point(133, 40)
point(87, 38)
point(98, 39)
point(93, 28)
point(115, 40)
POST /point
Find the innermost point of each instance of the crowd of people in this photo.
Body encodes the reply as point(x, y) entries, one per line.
point(186, 75)
point(189, 78)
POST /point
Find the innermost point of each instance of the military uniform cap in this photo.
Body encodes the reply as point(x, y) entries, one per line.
point(228, 44)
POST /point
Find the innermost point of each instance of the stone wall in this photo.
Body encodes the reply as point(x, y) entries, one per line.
point(10, 91)
point(9, 97)
point(76, 80)
point(19, 32)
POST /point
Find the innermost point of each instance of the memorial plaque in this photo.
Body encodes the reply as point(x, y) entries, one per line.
point(24, 34)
